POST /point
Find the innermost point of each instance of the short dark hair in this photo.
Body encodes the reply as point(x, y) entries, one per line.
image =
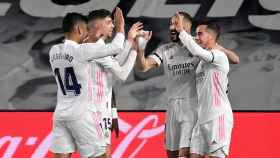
point(186, 16)
point(99, 14)
point(212, 26)
point(70, 20)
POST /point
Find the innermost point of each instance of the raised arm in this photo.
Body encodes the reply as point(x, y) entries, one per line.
point(214, 56)
point(143, 63)
point(194, 48)
point(121, 72)
point(132, 33)
point(96, 50)
point(121, 57)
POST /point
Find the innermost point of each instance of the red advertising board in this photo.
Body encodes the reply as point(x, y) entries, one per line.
point(28, 134)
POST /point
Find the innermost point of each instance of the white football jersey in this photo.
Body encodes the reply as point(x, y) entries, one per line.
point(211, 84)
point(211, 80)
point(101, 82)
point(179, 66)
point(103, 72)
point(71, 67)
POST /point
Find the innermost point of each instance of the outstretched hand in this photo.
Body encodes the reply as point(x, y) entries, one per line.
point(179, 22)
point(134, 31)
point(119, 20)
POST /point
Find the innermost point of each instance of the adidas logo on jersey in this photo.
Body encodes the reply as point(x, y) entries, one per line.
point(214, 142)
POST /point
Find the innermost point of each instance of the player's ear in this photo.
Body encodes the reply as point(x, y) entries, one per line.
point(79, 30)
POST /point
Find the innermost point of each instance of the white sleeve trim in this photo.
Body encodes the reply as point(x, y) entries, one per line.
point(156, 58)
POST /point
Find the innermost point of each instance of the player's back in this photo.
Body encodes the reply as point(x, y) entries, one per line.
point(72, 77)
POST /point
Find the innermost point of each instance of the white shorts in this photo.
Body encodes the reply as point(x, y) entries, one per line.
point(180, 121)
point(84, 135)
point(212, 138)
point(106, 124)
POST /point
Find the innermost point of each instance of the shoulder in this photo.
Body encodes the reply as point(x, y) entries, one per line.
point(219, 53)
point(166, 46)
point(89, 44)
point(220, 58)
point(55, 48)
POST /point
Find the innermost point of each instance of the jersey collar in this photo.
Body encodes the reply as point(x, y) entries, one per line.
point(70, 42)
point(101, 41)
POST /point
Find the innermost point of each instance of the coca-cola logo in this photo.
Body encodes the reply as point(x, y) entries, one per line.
point(137, 132)
point(15, 142)
point(16, 146)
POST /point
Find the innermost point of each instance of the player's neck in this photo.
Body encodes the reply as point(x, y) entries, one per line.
point(94, 38)
point(211, 45)
point(72, 37)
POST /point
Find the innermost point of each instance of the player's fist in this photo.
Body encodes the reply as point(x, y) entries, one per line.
point(143, 39)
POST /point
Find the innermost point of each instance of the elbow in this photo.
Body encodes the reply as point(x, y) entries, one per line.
point(123, 78)
point(117, 49)
point(141, 69)
point(235, 61)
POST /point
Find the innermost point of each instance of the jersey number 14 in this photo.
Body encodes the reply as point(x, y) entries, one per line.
point(70, 83)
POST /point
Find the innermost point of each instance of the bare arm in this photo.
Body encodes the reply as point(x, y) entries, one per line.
point(232, 56)
point(144, 64)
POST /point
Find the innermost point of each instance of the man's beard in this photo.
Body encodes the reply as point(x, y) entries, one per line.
point(176, 34)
